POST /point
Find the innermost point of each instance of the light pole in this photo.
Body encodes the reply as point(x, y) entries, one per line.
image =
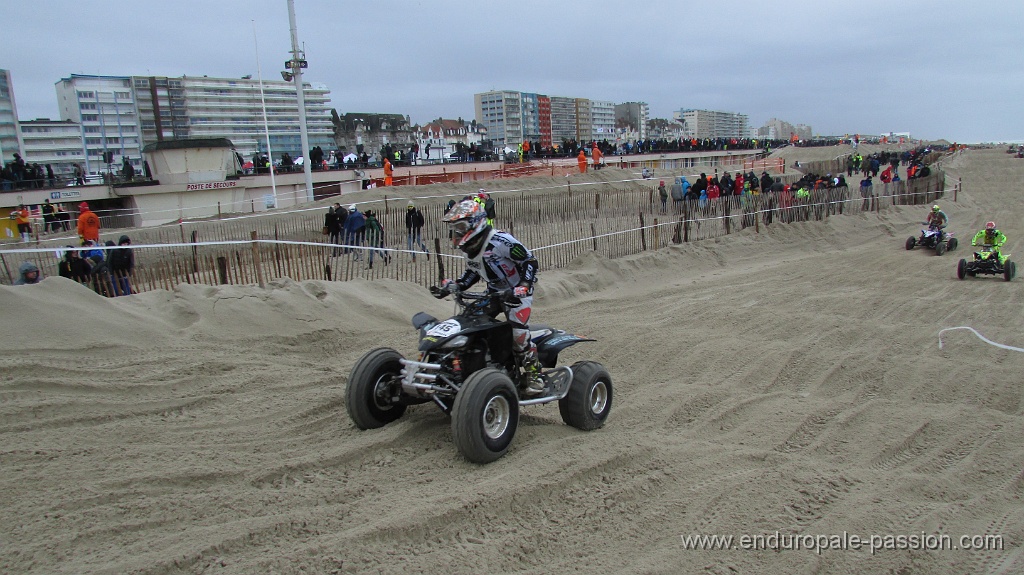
point(266, 127)
point(296, 64)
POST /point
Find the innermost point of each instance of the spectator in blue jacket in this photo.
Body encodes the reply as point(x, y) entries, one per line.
point(355, 229)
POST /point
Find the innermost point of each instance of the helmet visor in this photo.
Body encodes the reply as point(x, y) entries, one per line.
point(460, 227)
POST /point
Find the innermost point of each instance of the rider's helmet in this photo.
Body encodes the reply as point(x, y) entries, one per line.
point(352, 209)
point(990, 226)
point(467, 221)
point(935, 208)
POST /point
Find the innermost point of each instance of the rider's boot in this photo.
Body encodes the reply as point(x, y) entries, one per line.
point(533, 384)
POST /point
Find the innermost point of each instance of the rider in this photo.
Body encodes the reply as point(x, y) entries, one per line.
point(992, 237)
point(504, 263)
point(938, 220)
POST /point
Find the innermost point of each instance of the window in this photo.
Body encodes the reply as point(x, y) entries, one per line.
point(88, 106)
point(90, 118)
point(123, 95)
point(92, 129)
point(82, 95)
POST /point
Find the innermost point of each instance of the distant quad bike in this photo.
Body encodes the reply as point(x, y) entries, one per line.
point(987, 262)
point(934, 238)
point(467, 367)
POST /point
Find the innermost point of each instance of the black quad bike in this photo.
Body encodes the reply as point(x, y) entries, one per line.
point(467, 367)
point(935, 239)
point(986, 261)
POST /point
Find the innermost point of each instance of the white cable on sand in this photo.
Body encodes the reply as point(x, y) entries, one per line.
point(981, 337)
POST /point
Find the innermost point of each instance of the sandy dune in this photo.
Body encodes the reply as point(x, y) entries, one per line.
point(786, 382)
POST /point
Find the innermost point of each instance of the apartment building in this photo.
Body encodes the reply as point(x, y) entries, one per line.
point(104, 107)
point(632, 117)
point(57, 143)
point(123, 114)
point(602, 120)
point(712, 124)
point(232, 108)
point(9, 142)
point(511, 117)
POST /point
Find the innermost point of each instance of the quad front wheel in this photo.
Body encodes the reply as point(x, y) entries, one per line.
point(485, 416)
point(1009, 270)
point(911, 242)
point(940, 248)
point(589, 400)
point(951, 244)
point(372, 387)
point(961, 269)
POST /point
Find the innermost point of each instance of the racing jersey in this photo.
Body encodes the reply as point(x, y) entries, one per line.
point(937, 219)
point(998, 239)
point(503, 262)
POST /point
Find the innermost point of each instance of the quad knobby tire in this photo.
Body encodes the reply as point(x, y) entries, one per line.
point(951, 244)
point(940, 248)
point(911, 242)
point(370, 390)
point(961, 269)
point(589, 400)
point(1009, 270)
point(485, 416)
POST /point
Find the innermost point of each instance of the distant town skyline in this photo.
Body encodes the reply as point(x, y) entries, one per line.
point(871, 67)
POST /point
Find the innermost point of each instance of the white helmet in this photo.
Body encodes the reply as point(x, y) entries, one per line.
point(467, 221)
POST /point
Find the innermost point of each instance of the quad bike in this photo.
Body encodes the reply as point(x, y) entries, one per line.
point(987, 261)
point(467, 367)
point(933, 238)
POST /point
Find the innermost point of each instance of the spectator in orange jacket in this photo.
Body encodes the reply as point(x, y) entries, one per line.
point(23, 218)
point(88, 224)
point(388, 172)
point(595, 155)
point(582, 161)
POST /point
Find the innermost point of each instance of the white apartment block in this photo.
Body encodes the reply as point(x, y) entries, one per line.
point(501, 113)
point(232, 108)
point(104, 107)
point(9, 142)
point(712, 124)
point(125, 113)
point(603, 114)
point(57, 143)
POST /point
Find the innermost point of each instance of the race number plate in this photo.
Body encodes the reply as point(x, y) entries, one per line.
point(445, 329)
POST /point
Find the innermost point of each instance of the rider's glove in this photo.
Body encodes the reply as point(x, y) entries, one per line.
point(521, 291)
point(443, 290)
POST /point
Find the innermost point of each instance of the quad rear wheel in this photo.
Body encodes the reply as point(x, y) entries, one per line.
point(371, 389)
point(911, 242)
point(589, 400)
point(485, 416)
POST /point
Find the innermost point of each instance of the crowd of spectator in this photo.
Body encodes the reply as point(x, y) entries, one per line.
point(18, 175)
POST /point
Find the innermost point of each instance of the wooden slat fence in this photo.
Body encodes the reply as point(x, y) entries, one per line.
point(613, 220)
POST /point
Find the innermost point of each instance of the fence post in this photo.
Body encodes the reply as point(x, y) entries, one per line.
point(256, 261)
point(643, 234)
point(10, 278)
point(222, 269)
point(593, 236)
point(218, 211)
point(440, 262)
point(956, 190)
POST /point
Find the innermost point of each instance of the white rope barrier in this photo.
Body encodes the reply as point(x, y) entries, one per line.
point(981, 337)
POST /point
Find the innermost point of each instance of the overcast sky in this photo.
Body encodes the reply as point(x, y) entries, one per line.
point(936, 69)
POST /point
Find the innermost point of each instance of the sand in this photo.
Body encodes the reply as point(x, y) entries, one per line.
point(784, 382)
